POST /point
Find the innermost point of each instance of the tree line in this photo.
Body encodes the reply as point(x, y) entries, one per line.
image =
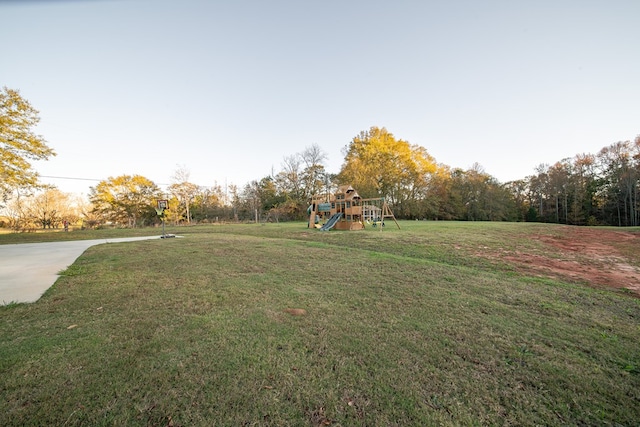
point(589, 189)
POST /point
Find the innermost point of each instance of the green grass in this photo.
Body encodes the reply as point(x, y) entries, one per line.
point(402, 327)
point(8, 237)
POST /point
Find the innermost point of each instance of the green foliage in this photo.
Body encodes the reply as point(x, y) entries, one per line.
point(590, 189)
point(379, 165)
point(286, 195)
point(46, 209)
point(586, 190)
point(18, 143)
point(127, 200)
point(184, 193)
point(210, 205)
point(474, 195)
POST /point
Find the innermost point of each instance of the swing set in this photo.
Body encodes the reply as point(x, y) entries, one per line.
point(346, 210)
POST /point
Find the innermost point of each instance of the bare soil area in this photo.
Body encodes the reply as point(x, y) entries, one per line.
point(597, 257)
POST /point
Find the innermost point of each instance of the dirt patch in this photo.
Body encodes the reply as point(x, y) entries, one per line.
point(599, 258)
point(296, 311)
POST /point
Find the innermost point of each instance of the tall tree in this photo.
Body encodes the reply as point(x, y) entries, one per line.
point(45, 209)
point(290, 178)
point(436, 203)
point(621, 175)
point(236, 200)
point(583, 186)
point(314, 176)
point(126, 199)
point(559, 175)
point(379, 165)
point(474, 195)
point(208, 204)
point(17, 211)
point(90, 219)
point(18, 142)
point(538, 190)
point(519, 191)
point(302, 176)
point(183, 190)
point(250, 202)
point(51, 208)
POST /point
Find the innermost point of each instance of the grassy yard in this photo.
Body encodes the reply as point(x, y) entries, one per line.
point(280, 325)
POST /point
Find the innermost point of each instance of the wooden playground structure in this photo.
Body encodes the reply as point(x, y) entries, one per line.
point(346, 210)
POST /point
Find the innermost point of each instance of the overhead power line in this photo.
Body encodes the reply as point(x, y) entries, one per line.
point(81, 179)
point(68, 177)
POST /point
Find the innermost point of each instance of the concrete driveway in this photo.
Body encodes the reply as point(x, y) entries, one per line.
point(27, 270)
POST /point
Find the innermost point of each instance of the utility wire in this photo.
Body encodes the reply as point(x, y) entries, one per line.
point(80, 179)
point(67, 177)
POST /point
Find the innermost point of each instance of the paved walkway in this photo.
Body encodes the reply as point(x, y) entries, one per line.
point(27, 270)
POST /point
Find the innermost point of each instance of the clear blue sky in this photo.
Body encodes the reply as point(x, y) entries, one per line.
point(227, 89)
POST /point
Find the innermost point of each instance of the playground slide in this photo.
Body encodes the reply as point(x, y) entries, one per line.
point(332, 222)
